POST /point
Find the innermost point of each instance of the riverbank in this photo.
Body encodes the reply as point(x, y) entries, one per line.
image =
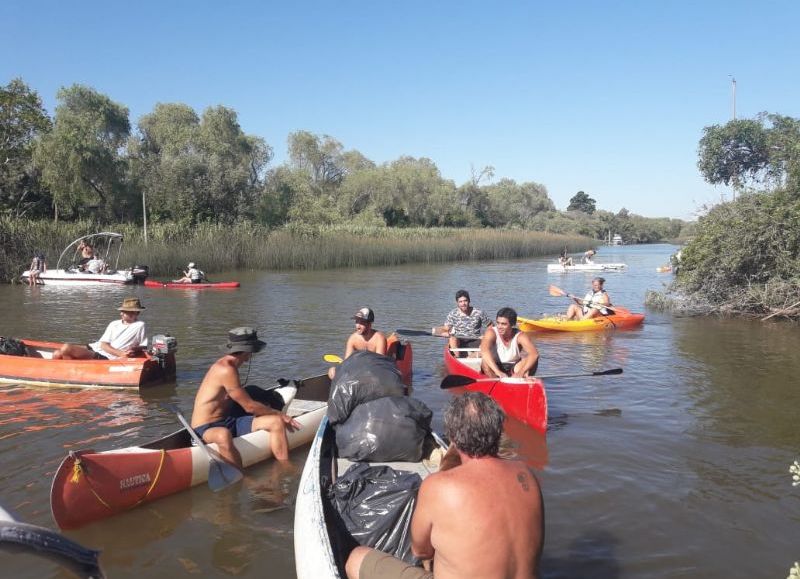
point(170, 247)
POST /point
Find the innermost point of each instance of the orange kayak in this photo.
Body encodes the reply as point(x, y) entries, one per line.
point(620, 319)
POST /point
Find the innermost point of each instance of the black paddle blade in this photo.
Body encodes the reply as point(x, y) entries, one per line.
point(414, 332)
point(608, 372)
point(455, 380)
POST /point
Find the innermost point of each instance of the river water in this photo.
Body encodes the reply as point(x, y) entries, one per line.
point(677, 468)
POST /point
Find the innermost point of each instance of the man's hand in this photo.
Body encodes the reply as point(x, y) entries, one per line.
point(290, 423)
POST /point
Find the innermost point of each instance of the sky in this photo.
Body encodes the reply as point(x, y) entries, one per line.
point(605, 97)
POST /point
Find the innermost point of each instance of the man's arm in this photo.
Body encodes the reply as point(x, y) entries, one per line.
point(422, 522)
point(350, 345)
point(529, 361)
point(382, 345)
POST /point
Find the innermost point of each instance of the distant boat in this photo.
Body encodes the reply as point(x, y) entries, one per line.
point(616, 240)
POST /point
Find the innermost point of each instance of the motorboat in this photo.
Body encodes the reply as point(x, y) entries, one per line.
point(102, 269)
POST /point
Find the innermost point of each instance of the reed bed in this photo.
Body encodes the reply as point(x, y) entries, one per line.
point(248, 246)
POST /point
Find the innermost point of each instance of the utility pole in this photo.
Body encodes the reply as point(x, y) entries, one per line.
point(733, 95)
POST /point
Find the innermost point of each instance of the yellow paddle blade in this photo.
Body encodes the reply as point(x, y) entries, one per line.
point(332, 359)
point(556, 291)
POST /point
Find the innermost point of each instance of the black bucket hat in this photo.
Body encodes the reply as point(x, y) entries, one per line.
point(244, 339)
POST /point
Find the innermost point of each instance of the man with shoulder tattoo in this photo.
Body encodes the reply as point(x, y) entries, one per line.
point(467, 531)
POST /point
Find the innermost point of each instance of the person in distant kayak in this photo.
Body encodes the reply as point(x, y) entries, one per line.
point(123, 338)
point(565, 259)
point(192, 275)
point(465, 324)
point(365, 337)
point(467, 531)
point(588, 256)
point(212, 417)
point(507, 351)
point(594, 304)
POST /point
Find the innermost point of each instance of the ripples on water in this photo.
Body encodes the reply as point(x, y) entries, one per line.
point(678, 467)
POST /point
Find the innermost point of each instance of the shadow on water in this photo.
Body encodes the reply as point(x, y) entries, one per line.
point(591, 555)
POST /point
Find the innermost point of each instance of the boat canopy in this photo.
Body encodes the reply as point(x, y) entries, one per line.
point(102, 242)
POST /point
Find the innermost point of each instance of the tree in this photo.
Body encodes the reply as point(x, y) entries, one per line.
point(517, 204)
point(734, 152)
point(581, 202)
point(81, 159)
point(22, 120)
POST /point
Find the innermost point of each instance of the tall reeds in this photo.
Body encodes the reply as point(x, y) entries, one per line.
point(248, 246)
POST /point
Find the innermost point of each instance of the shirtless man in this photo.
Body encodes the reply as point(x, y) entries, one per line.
point(365, 337)
point(467, 531)
point(505, 350)
point(211, 418)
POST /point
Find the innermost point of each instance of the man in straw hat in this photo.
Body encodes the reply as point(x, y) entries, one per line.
point(364, 337)
point(123, 338)
point(212, 419)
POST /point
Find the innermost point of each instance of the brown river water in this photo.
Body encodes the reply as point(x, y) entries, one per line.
point(676, 468)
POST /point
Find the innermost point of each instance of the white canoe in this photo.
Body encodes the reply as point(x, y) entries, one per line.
point(319, 546)
point(558, 268)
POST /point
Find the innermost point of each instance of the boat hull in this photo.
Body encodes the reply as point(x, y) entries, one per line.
point(194, 286)
point(320, 544)
point(69, 277)
point(123, 373)
point(526, 401)
point(558, 268)
point(89, 486)
point(599, 323)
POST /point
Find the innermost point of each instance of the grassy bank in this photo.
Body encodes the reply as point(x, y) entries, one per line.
point(743, 260)
point(248, 246)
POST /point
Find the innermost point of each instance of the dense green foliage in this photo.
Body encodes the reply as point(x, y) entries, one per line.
point(245, 245)
point(745, 254)
point(178, 166)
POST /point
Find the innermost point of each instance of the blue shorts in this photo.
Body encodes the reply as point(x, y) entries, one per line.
point(238, 426)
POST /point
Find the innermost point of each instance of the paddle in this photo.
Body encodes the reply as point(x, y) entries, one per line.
point(221, 474)
point(333, 359)
point(456, 380)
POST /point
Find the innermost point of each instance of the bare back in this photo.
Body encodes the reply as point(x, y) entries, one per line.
point(484, 519)
point(213, 400)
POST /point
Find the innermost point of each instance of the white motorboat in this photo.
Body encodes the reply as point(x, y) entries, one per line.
point(102, 269)
point(558, 268)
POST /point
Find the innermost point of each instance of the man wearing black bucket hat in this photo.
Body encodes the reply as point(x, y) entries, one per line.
point(212, 418)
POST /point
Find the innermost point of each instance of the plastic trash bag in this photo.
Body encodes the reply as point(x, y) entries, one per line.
point(388, 429)
point(362, 377)
point(375, 504)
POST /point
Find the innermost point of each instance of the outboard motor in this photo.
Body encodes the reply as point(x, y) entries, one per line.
point(162, 346)
point(139, 273)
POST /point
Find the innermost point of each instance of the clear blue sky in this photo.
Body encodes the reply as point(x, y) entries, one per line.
point(605, 97)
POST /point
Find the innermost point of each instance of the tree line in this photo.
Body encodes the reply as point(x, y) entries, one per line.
point(176, 165)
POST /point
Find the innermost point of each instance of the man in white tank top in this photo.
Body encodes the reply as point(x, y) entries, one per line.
point(505, 350)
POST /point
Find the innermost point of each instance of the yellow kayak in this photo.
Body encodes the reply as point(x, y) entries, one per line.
point(617, 320)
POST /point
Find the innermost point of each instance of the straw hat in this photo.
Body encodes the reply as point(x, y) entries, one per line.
point(131, 305)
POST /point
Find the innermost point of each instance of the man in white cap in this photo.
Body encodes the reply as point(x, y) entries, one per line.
point(365, 337)
point(191, 275)
point(212, 418)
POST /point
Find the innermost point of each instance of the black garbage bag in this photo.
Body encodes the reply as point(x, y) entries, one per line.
point(362, 377)
point(383, 430)
point(12, 347)
point(375, 504)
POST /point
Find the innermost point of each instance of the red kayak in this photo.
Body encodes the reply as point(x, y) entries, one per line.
point(521, 398)
point(173, 285)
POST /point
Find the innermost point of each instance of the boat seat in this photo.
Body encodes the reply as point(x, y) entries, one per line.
point(298, 407)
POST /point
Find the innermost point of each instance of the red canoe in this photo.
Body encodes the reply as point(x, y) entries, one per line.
point(173, 285)
point(39, 369)
point(521, 398)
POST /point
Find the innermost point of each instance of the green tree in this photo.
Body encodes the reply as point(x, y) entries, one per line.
point(516, 204)
point(581, 202)
point(82, 159)
point(734, 152)
point(22, 120)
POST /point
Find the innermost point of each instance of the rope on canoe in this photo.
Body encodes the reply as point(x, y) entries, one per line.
point(78, 469)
